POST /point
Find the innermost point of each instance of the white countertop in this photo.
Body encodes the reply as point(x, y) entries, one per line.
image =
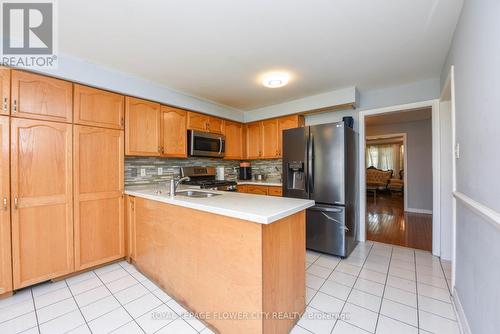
point(270, 182)
point(256, 208)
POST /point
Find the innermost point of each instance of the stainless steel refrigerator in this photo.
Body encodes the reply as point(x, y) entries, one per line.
point(320, 163)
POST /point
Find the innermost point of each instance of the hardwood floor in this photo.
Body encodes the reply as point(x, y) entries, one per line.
point(388, 223)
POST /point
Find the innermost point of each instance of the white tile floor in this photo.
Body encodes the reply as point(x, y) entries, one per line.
point(378, 289)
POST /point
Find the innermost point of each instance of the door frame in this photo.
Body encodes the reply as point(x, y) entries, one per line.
point(436, 209)
point(405, 159)
point(449, 89)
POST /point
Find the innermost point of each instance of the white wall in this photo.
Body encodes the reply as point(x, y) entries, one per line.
point(446, 192)
point(78, 70)
point(419, 164)
point(475, 54)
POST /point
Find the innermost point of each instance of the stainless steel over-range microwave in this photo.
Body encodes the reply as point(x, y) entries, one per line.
point(204, 144)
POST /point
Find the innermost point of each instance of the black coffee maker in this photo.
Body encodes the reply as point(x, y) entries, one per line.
point(245, 171)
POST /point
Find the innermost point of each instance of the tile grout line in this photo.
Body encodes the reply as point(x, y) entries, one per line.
point(34, 307)
point(78, 307)
point(121, 305)
point(343, 306)
point(383, 292)
point(416, 291)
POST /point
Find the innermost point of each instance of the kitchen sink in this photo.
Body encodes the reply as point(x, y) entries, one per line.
point(196, 194)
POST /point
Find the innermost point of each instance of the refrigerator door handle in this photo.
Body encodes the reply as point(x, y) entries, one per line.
point(325, 209)
point(334, 220)
point(310, 170)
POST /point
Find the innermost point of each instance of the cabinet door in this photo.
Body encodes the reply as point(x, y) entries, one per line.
point(234, 140)
point(42, 210)
point(197, 121)
point(216, 125)
point(99, 208)
point(257, 190)
point(130, 228)
point(254, 140)
point(5, 245)
point(98, 107)
point(275, 191)
point(174, 132)
point(284, 123)
point(142, 127)
point(241, 188)
point(270, 138)
point(40, 97)
point(4, 90)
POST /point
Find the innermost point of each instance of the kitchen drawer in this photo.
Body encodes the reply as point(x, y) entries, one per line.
point(257, 190)
point(275, 191)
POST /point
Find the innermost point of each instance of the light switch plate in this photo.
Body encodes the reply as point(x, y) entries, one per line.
point(143, 171)
point(457, 150)
point(160, 171)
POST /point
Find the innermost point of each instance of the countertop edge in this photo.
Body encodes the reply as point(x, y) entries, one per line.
point(265, 220)
point(260, 183)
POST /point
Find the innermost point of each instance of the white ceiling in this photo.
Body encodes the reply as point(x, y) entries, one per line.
point(217, 49)
point(399, 117)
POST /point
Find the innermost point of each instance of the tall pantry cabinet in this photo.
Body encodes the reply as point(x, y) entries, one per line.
point(5, 243)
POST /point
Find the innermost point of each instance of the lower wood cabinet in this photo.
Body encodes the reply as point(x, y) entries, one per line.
point(98, 195)
point(260, 190)
point(130, 228)
point(5, 242)
point(42, 205)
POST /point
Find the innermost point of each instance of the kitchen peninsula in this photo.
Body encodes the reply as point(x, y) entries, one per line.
point(236, 260)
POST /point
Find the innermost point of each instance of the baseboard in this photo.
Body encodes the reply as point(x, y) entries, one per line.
point(462, 319)
point(412, 210)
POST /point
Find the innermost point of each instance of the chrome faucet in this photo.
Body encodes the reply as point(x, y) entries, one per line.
point(179, 181)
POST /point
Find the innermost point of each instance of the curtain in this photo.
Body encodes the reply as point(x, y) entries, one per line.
point(381, 156)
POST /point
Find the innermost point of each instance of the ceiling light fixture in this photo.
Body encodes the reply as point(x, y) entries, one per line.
point(275, 79)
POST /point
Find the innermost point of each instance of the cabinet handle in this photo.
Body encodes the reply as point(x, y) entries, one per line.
point(159, 149)
point(122, 121)
point(15, 202)
point(5, 103)
point(5, 203)
point(14, 107)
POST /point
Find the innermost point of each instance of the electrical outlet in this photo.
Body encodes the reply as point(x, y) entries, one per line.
point(457, 150)
point(143, 171)
point(160, 171)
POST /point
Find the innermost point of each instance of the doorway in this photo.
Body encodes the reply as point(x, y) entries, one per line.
point(398, 175)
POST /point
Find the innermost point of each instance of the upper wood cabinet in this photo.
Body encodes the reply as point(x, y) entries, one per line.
point(264, 138)
point(284, 123)
point(98, 196)
point(98, 107)
point(40, 97)
point(5, 241)
point(173, 132)
point(42, 200)
point(234, 140)
point(270, 145)
point(216, 125)
point(4, 90)
point(142, 127)
point(201, 122)
point(254, 140)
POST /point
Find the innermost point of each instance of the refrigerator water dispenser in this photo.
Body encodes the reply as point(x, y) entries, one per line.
point(296, 175)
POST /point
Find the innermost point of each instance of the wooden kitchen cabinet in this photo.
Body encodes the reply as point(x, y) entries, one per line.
point(97, 107)
point(234, 140)
point(130, 228)
point(41, 206)
point(39, 97)
point(174, 132)
point(4, 90)
point(142, 127)
point(264, 138)
point(260, 190)
point(254, 140)
point(270, 139)
point(216, 125)
point(285, 123)
point(274, 191)
point(205, 123)
point(5, 241)
point(197, 121)
point(98, 196)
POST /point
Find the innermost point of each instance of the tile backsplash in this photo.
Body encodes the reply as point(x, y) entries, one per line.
point(171, 168)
